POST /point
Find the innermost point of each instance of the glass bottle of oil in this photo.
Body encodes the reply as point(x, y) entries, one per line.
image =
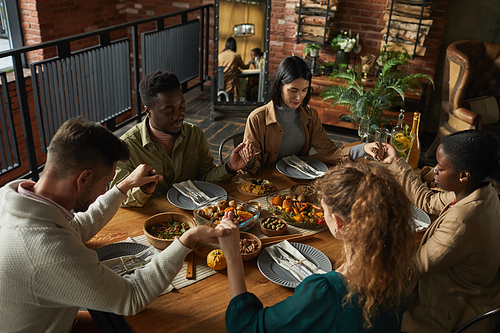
point(415, 147)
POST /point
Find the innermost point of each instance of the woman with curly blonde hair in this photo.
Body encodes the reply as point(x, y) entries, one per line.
point(367, 209)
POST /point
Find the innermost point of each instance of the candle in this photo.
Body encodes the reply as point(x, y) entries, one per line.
point(357, 38)
point(349, 33)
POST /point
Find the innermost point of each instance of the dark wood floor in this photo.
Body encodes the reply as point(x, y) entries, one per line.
point(230, 120)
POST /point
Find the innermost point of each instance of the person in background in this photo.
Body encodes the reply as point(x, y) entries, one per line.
point(175, 149)
point(256, 56)
point(252, 88)
point(288, 125)
point(232, 63)
point(458, 258)
point(366, 208)
point(46, 271)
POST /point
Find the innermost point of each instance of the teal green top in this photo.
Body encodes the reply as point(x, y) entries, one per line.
point(316, 306)
point(190, 159)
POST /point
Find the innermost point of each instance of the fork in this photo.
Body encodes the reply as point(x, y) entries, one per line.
point(126, 265)
point(305, 165)
point(280, 256)
point(193, 195)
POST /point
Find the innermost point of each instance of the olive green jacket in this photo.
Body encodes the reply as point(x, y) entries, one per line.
point(191, 159)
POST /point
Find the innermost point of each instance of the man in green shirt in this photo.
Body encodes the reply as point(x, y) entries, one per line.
point(175, 149)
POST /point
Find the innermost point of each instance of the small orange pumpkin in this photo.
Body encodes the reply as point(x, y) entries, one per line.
point(216, 260)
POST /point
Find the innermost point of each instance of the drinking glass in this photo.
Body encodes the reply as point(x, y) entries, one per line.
point(364, 128)
point(382, 135)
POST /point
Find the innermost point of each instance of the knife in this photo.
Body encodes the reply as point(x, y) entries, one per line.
point(298, 167)
point(306, 165)
point(298, 264)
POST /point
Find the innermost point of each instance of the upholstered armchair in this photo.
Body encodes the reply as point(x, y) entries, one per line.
point(471, 89)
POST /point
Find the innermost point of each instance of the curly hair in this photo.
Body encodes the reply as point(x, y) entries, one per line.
point(290, 68)
point(82, 144)
point(157, 82)
point(475, 151)
point(378, 239)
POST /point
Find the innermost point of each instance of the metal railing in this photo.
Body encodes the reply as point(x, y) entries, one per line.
point(97, 83)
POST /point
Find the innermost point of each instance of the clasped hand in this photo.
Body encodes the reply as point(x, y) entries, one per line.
point(143, 176)
point(240, 156)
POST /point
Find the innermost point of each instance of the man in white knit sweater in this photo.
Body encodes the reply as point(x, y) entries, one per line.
point(46, 272)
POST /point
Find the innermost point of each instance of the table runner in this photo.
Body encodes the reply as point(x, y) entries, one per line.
point(201, 270)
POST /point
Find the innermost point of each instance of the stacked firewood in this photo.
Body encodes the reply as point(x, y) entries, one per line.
point(404, 25)
point(314, 19)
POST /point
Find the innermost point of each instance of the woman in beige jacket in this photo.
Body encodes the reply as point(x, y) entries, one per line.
point(288, 125)
point(459, 255)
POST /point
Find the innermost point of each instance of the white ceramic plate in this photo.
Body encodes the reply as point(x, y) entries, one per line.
point(291, 172)
point(419, 219)
point(277, 274)
point(119, 250)
point(177, 199)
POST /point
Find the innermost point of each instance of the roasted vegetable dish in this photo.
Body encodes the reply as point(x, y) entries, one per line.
point(241, 211)
point(295, 211)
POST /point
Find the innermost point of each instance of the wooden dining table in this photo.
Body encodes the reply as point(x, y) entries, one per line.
point(201, 307)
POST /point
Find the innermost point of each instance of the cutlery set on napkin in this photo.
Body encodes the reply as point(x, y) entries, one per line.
point(128, 264)
point(302, 166)
point(288, 257)
point(189, 189)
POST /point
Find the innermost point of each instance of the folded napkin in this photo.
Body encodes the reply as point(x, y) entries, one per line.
point(307, 166)
point(188, 189)
point(300, 268)
point(302, 166)
point(128, 264)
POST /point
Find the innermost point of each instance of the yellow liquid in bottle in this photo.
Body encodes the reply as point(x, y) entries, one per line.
point(415, 150)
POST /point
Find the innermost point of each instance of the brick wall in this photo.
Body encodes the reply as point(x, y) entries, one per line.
point(360, 16)
point(44, 20)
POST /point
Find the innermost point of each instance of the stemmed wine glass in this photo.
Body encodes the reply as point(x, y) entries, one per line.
point(364, 128)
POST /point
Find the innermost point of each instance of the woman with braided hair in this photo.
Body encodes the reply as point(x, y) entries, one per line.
point(367, 209)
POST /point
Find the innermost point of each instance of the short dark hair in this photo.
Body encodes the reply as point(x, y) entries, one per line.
point(257, 51)
point(290, 68)
point(230, 44)
point(157, 82)
point(474, 151)
point(81, 144)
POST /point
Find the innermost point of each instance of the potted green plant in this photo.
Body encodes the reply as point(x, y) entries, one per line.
point(388, 91)
point(344, 44)
point(313, 49)
point(385, 56)
point(327, 68)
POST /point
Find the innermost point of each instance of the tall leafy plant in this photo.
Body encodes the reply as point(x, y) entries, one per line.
point(388, 91)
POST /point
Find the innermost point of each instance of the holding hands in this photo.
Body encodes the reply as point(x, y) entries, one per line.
point(143, 176)
point(375, 150)
point(240, 156)
point(390, 154)
point(230, 244)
